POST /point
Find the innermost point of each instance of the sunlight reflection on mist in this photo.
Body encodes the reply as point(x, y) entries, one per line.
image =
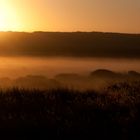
point(19, 66)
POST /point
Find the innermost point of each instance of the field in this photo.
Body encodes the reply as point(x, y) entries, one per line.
point(112, 113)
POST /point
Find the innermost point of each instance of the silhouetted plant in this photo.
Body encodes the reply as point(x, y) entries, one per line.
point(113, 113)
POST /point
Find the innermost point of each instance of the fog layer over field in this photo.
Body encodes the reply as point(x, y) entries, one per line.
point(79, 73)
point(20, 66)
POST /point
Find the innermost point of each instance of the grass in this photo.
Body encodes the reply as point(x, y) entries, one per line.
point(65, 114)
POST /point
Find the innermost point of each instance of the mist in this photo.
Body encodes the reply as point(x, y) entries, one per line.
point(14, 67)
point(66, 72)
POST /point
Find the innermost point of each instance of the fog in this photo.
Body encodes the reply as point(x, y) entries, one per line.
point(14, 67)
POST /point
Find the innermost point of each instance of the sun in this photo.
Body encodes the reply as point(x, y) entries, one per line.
point(8, 18)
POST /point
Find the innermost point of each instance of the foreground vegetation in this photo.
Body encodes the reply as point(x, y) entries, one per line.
point(65, 114)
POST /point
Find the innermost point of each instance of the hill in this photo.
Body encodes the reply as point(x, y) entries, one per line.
point(74, 44)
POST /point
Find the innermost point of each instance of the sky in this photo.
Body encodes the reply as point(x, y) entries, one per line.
point(70, 15)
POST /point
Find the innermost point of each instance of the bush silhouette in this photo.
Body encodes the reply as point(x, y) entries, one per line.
point(63, 113)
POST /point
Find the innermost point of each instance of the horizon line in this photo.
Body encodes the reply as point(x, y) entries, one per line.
point(39, 31)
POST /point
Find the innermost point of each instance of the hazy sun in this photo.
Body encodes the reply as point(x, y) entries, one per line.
point(8, 18)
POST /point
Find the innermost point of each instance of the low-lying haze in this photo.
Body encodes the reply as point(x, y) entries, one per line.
point(20, 66)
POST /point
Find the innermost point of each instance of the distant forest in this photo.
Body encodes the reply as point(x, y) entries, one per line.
point(73, 44)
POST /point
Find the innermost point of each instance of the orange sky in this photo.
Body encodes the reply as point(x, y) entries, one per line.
point(70, 15)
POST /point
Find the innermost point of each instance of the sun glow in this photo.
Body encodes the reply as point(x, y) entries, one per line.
point(9, 20)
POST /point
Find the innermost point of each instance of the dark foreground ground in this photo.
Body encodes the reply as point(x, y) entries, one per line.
point(112, 114)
